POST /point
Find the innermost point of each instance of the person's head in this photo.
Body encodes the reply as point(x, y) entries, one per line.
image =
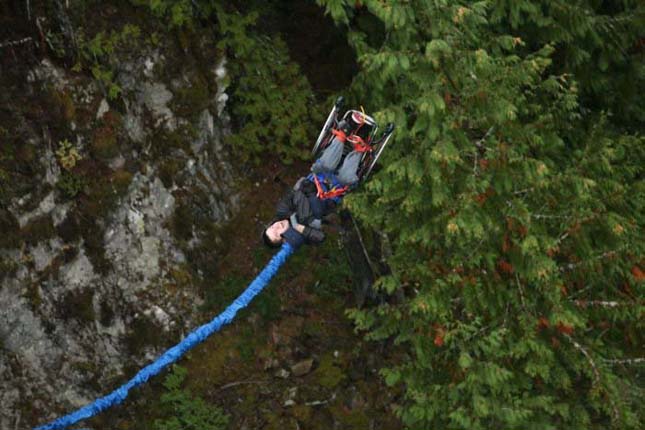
point(272, 235)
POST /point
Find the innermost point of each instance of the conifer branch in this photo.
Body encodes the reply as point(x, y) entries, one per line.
point(601, 303)
point(611, 253)
point(544, 216)
point(587, 356)
point(519, 287)
point(637, 360)
point(480, 148)
point(596, 372)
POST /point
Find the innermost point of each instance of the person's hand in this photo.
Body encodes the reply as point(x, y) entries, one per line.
point(293, 219)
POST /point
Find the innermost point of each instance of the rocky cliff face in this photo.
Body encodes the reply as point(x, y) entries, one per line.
point(105, 204)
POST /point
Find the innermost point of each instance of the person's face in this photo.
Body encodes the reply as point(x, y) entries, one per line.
point(276, 229)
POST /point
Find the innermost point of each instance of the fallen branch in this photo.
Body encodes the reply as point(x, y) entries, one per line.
point(321, 402)
point(15, 42)
point(234, 384)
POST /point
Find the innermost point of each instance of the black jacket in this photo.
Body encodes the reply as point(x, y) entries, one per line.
point(309, 209)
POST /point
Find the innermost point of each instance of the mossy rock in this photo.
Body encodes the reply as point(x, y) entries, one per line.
point(93, 244)
point(121, 180)
point(62, 105)
point(70, 184)
point(328, 374)
point(78, 305)
point(26, 154)
point(350, 419)
point(181, 278)
point(39, 229)
point(301, 412)
point(104, 143)
point(65, 104)
point(10, 237)
point(168, 171)
point(107, 314)
point(191, 100)
point(181, 224)
point(144, 332)
point(8, 268)
point(33, 296)
point(105, 139)
point(69, 230)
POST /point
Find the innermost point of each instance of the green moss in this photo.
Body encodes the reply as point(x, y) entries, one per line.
point(164, 143)
point(104, 143)
point(70, 184)
point(10, 237)
point(168, 171)
point(143, 333)
point(247, 344)
point(180, 278)
point(189, 101)
point(182, 222)
point(327, 374)
point(26, 154)
point(93, 243)
point(33, 297)
point(350, 419)
point(121, 180)
point(8, 268)
point(219, 295)
point(301, 412)
point(69, 230)
point(65, 104)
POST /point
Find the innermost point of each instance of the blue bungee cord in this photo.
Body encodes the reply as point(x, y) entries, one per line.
point(173, 354)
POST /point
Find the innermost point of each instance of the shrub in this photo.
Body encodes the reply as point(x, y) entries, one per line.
point(187, 411)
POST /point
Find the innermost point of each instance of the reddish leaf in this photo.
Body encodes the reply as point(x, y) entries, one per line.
point(638, 273)
point(505, 267)
point(542, 323)
point(564, 328)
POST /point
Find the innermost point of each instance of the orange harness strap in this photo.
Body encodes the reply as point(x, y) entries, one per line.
point(322, 194)
point(359, 143)
point(340, 134)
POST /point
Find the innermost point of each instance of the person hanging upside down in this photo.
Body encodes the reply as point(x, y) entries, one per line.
point(300, 213)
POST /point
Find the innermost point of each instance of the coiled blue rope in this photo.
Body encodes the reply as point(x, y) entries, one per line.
point(175, 353)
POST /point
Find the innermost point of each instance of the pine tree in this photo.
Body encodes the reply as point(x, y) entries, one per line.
point(513, 203)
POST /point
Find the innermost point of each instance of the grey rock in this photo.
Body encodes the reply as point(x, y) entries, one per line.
point(302, 367)
point(156, 96)
point(282, 373)
point(104, 107)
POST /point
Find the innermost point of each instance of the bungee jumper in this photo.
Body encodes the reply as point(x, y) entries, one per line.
point(345, 154)
point(348, 143)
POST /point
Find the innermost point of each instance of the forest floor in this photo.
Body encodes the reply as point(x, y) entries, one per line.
point(292, 360)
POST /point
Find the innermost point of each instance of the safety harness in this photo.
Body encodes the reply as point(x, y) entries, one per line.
point(328, 186)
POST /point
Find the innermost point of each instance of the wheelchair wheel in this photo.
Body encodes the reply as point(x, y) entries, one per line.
point(324, 136)
point(370, 159)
